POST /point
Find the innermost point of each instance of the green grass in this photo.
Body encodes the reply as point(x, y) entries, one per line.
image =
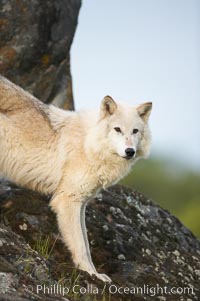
point(44, 246)
point(27, 261)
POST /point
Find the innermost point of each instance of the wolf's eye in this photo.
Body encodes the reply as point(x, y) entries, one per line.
point(135, 131)
point(117, 129)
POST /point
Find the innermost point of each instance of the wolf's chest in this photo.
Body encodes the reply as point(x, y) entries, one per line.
point(110, 174)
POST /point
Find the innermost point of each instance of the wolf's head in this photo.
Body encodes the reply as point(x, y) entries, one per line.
point(126, 128)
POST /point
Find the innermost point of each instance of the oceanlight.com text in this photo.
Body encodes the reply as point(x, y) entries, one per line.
point(113, 289)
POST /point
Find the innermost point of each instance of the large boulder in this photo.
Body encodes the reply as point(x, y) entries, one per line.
point(35, 41)
point(138, 244)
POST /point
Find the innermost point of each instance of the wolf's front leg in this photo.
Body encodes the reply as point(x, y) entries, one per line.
point(71, 222)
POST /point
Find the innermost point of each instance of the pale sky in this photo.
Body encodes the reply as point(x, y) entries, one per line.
point(144, 50)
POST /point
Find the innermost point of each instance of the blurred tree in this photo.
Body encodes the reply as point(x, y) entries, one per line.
point(35, 40)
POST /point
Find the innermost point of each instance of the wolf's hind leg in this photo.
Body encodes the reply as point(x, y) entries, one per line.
point(70, 216)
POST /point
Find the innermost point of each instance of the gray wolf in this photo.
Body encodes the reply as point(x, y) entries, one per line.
point(70, 155)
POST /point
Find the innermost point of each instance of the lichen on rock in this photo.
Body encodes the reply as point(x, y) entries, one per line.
point(35, 41)
point(154, 249)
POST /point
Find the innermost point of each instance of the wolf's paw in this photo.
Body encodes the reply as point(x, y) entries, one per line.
point(85, 266)
point(103, 277)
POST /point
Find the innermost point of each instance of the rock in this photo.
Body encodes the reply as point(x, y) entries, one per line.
point(154, 252)
point(35, 40)
point(121, 257)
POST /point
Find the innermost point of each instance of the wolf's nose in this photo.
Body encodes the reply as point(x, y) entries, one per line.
point(130, 152)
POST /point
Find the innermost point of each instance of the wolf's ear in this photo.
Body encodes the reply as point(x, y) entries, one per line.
point(108, 106)
point(144, 110)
